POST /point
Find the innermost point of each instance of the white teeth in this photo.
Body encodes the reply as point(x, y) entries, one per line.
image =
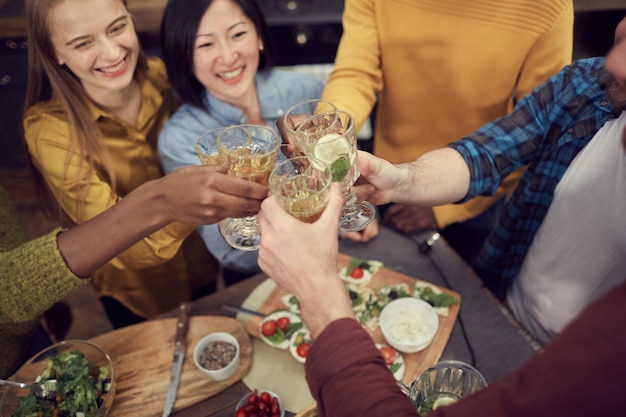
point(230, 74)
point(113, 69)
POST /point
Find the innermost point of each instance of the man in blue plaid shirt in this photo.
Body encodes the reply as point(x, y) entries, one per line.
point(560, 241)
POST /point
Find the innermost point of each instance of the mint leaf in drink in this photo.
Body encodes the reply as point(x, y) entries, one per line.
point(340, 167)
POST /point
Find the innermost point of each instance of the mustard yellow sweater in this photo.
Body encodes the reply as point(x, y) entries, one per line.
point(33, 276)
point(440, 69)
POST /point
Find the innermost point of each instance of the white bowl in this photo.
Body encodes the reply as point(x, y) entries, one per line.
point(409, 324)
point(221, 373)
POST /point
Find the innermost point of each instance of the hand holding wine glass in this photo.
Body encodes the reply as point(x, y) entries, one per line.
point(248, 152)
point(336, 145)
point(301, 186)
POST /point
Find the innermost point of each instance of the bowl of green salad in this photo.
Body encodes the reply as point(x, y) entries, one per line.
point(80, 373)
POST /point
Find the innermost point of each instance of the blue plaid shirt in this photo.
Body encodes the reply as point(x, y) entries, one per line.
point(546, 131)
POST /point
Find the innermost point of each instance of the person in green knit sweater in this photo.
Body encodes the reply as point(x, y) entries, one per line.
point(37, 273)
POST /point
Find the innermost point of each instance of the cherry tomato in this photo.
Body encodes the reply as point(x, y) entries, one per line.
point(268, 328)
point(252, 398)
point(259, 404)
point(357, 273)
point(303, 349)
point(388, 354)
point(283, 323)
point(275, 407)
point(266, 398)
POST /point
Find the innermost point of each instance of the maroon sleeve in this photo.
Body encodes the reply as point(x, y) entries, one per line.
point(582, 373)
point(348, 376)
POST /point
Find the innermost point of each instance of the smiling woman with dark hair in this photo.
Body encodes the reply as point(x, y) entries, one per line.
point(181, 20)
point(218, 55)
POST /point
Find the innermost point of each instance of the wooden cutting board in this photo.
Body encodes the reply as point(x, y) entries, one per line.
point(416, 362)
point(142, 358)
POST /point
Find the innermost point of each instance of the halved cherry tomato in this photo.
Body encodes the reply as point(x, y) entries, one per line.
point(260, 403)
point(357, 273)
point(275, 408)
point(283, 323)
point(388, 354)
point(303, 349)
point(268, 328)
point(253, 397)
point(266, 398)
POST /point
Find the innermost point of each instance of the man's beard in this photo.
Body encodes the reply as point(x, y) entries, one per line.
point(616, 94)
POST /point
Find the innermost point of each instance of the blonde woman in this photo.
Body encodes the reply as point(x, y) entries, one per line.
point(94, 108)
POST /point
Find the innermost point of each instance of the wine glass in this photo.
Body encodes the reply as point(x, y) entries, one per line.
point(206, 147)
point(301, 185)
point(325, 110)
point(248, 152)
point(336, 145)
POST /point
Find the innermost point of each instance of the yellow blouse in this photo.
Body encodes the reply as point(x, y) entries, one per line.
point(151, 276)
point(440, 69)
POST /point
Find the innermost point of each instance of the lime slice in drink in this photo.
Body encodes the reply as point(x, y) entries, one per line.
point(442, 401)
point(334, 151)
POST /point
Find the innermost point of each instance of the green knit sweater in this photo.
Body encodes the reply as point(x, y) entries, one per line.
point(33, 276)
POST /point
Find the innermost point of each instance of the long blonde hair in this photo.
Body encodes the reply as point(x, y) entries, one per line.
point(46, 78)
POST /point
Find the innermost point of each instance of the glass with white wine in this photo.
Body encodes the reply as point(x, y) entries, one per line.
point(301, 185)
point(248, 152)
point(206, 147)
point(336, 145)
point(443, 384)
point(325, 116)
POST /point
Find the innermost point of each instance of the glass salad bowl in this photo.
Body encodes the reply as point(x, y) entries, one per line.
point(78, 370)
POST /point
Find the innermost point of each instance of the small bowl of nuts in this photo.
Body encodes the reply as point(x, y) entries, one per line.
point(217, 355)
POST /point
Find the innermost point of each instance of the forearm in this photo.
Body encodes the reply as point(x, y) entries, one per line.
point(348, 376)
point(357, 76)
point(323, 301)
point(90, 245)
point(437, 177)
point(34, 277)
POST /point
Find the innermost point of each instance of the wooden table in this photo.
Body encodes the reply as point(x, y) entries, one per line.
point(484, 334)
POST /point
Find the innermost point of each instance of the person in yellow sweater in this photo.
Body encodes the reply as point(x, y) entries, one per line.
point(94, 108)
point(438, 70)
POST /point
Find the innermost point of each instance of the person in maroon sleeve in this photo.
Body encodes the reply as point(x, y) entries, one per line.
point(579, 374)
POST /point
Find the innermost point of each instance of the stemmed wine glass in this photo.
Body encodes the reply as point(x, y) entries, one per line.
point(301, 185)
point(248, 152)
point(336, 145)
point(324, 111)
point(206, 147)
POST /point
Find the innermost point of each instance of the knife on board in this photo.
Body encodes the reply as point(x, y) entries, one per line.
point(180, 345)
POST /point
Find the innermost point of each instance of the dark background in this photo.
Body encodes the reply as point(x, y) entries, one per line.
point(306, 32)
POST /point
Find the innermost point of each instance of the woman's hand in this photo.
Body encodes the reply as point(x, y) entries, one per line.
point(205, 195)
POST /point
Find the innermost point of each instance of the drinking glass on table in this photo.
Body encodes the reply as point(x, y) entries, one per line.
point(336, 145)
point(248, 152)
point(444, 383)
point(301, 185)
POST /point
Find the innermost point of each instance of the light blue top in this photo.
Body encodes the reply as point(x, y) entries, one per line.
point(277, 92)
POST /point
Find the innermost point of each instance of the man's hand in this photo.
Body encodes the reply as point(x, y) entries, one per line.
point(410, 219)
point(302, 259)
point(365, 235)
